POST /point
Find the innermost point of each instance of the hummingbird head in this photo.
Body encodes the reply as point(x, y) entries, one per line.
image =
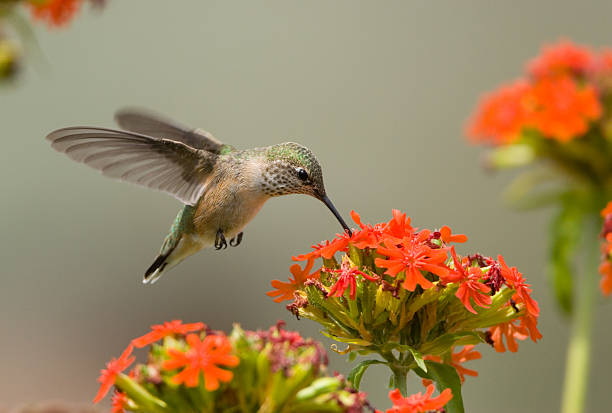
point(292, 168)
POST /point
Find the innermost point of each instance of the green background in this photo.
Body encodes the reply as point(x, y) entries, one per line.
point(378, 90)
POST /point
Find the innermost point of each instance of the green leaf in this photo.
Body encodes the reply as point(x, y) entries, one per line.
point(445, 377)
point(356, 374)
point(565, 234)
point(418, 358)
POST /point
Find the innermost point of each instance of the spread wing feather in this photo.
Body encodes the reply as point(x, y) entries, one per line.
point(152, 124)
point(163, 164)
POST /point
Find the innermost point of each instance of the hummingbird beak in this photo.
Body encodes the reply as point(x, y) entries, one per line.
point(333, 209)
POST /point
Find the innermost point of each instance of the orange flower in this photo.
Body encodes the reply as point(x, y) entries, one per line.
point(471, 288)
point(316, 253)
point(466, 354)
point(55, 12)
point(346, 279)
point(511, 332)
point(530, 324)
point(418, 403)
point(447, 237)
point(562, 58)
point(500, 116)
point(119, 402)
point(113, 368)
point(411, 255)
point(399, 226)
point(515, 280)
point(561, 109)
point(284, 291)
point(169, 328)
point(340, 243)
point(605, 284)
point(607, 210)
point(369, 236)
point(202, 356)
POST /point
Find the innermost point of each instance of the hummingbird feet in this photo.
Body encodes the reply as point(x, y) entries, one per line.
point(234, 242)
point(220, 241)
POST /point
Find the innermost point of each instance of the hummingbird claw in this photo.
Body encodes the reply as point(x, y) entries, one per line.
point(234, 242)
point(220, 241)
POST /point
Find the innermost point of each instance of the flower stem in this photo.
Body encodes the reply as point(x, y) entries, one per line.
point(400, 372)
point(579, 348)
point(399, 379)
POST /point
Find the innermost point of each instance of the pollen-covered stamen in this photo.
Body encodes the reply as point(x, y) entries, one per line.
point(494, 278)
point(317, 284)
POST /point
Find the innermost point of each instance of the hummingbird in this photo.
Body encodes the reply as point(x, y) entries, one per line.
point(222, 188)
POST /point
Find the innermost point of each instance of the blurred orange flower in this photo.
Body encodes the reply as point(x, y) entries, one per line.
point(203, 356)
point(564, 57)
point(562, 109)
point(169, 328)
point(418, 403)
point(500, 116)
point(112, 370)
point(55, 12)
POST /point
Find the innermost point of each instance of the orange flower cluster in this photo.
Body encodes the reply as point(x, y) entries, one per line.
point(605, 268)
point(558, 99)
point(54, 12)
point(411, 257)
point(201, 356)
point(418, 403)
point(405, 294)
point(191, 368)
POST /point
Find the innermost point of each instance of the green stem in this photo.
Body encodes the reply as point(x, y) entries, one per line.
point(399, 379)
point(400, 372)
point(579, 348)
point(145, 400)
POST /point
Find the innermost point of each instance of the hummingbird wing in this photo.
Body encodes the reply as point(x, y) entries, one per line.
point(163, 164)
point(152, 124)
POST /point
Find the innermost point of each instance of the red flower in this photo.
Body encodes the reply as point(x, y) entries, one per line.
point(346, 279)
point(202, 356)
point(561, 109)
point(471, 287)
point(411, 255)
point(55, 12)
point(500, 116)
point(418, 403)
point(120, 401)
point(511, 332)
point(466, 354)
point(284, 291)
point(515, 280)
point(113, 368)
point(562, 58)
point(169, 328)
point(447, 237)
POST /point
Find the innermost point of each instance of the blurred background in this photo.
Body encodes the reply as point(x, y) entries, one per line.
point(378, 90)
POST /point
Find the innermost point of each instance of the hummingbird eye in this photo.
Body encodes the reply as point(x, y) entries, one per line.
point(302, 174)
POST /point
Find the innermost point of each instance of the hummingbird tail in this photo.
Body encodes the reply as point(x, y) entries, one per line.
point(156, 269)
